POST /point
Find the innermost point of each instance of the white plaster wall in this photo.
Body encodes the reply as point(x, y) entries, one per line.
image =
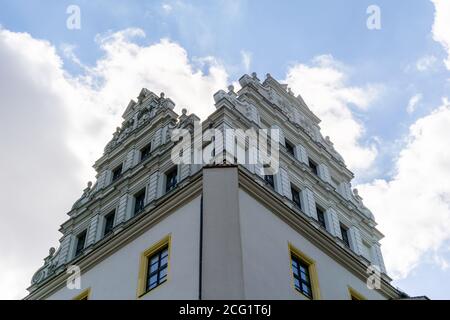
point(120, 270)
point(266, 260)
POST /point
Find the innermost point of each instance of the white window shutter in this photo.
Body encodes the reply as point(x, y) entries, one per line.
point(324, 173)
point(378, 257)
point(333, 222)
point(164, 131)
point(309, 203)
point(152, 188)
point(344, 190)
point(281, 134)
point(355, 240)
point(122, 210)
point(285, 183)
point(101, 180)
point(129, 161)
point(259, 169)
point(185, 171)
point(157, 138)
point(92, 232)
point(301, 153)
point(64, 250)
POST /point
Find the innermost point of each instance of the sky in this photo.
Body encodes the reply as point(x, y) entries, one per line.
point(383, 95)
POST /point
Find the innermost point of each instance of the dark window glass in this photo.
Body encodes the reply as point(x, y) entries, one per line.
point(321, 217)
point(81, 239)
point(117, 172)
point(139, 202)
point(171, 179)
point(269, 180)
point(344, 233)
point(290, 148)
point(157, 268)
point(296, 197)
point(302, 279)
point(109, 223)
point(145, 151)
point(313, 166)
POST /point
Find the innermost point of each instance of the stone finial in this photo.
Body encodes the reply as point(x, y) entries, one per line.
point(51, 251)
point(355, 192)
point(161, 95)
point(231, 88)
point(184, 111)
point(89, 184)
point(268, 76)
point(254, 75)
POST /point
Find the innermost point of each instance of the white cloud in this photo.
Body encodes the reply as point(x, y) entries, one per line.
point(441, 26)
point(426, 63)
point(167, 8)
point(54, 126)
point(246, 60)
point(413, 208)
point(323, 85)
point(413, 103)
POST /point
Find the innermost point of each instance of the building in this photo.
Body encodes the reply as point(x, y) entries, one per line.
point(151, 229)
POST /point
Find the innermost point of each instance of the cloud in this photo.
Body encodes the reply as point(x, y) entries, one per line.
point(246, 60)
point(441, 26)
point(426, 63)
point(413, 208)
point(413, 103)
point(324, 86)
point(55, 125)
point(167, 8)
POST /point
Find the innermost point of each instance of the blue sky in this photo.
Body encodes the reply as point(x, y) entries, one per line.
point(278, 36)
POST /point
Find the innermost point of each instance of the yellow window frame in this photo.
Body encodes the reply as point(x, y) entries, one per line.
point(84, 295)
point(143, 265)
point(293, 251)
point(355, 295)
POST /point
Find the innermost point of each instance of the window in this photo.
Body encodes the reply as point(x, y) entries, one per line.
point(145, 151)
point(304, 274)
point(81, 240)
point(139, 201)
point(116, 173)
point(321, 217)
point(313, 166)
point(344, 233)
point(171, 179)
point(269, 179)
point(296, 197)
point(154, 266)
point(302, 280)
point(290, 148)
point(109, 223)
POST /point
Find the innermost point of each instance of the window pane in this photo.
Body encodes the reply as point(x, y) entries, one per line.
point(164, 261)
point(157, 268)
point(154, 259)
point(154, 267)
point(163, 273)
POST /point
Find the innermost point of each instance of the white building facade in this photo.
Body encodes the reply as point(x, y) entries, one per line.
point(149, 228)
